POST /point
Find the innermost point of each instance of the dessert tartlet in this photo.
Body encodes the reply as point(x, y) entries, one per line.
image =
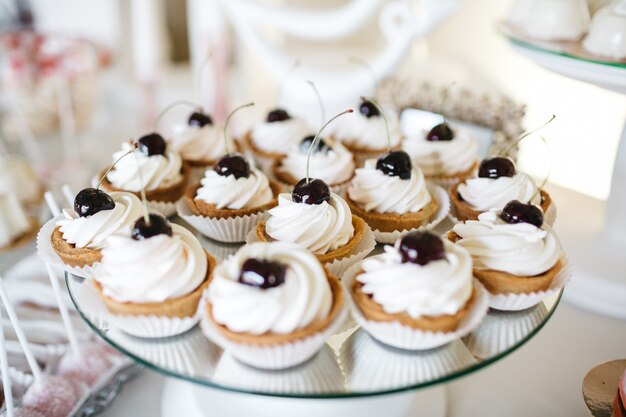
point(422, 285)
point(332, 162)
point(364, 132)
point(514, 253)
point(557, 20)
point(229, 201)
point(498, 182)
point(272, 305)
point(161, 170)
point(16, 228)
point(82, 232)
point(445, 154)
point(392, 196)
point(158, 271)
point(18, 177)
point(270, 138)
point(607, 35)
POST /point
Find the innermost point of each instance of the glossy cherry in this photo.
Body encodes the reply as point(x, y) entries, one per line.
point(421, 247)
point(315, 192)
point(158, 225)
point(395, 164)
point(368, 109)
point(233, 164)
point(152, 144)
point(199, 119)
point(277, 115)
point(262, 274)
point(440, 132)
point(496, 167)
point(517, 212)
point(320, 145)
point(89, 201)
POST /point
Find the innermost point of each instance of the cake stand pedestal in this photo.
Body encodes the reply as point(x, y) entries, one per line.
point(180, 398)
point(596, 241)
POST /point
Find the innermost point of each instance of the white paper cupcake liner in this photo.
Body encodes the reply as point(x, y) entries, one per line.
point(151, 327)
point(517, 302)
point(501, 330)
point(47, 253)
point(442, 212)
point(165, 208)
point(339, 266)
point(274, 357)
point(228, 230)
point(404, 337)
point(219, 250)
point(445, 183)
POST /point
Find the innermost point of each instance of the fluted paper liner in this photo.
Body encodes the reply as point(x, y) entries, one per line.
point(370, 366)
point(219, 250)
point(228, 229)
point(152, 327)
point(339, 266)
point(501, 330)
point(516, 302)
point(48, 254)
point(272, 357)
point(404, 337)
point(320, 374)
point(166, 208)
point(442, 211)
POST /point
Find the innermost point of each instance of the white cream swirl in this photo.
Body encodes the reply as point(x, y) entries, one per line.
point(13, 220)
point(277, 137)
point(198, 143)
point(443, 157)
point(304, 298)
point(437, 288)
point(363, 132)
point(333, 167)
point(158, 171)
point(319, 228)
point(152, 270)
point(375, 191)
point(519, 249)
point(487, 193)
point(92, 231)
point(235, 193)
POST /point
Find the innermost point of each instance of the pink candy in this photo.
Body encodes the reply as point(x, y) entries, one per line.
point(53, 396)
point(87, 369)
point(27, 412)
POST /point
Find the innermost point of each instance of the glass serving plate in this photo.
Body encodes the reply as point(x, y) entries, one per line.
point(351, 364)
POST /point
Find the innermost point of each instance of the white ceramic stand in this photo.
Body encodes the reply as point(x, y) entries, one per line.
point(180, 398)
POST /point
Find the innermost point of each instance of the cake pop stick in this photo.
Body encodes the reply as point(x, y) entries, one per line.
point(6, 379)
point(68, 194)
point(52, 204)
point(65, 315)
point(30, 358)
point(66, 116)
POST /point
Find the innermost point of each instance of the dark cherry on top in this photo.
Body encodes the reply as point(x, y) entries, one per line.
point(152, 144)
point(277, 115)
point(517, 212)
point(368, 109)
point(158, 225)
point(199, 119)
point(320, 145)
point(440, 132)
point(496, 167)
point(233, 164)
point(315, 192)
point(395, 164)
point(262, 273)
point(421, 248)
point(90, 201)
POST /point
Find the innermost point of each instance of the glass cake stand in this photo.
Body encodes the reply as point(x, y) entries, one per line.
point(352, 375)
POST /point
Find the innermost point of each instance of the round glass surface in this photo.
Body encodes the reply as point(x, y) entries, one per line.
point(350, 364)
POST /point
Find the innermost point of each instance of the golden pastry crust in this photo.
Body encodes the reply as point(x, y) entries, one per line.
point(390, 222)
point(202, 208)
point(459, 176)
point(170, 194)
point(268, 339)
point(70, 254)
point(185, 306)
point(500, 282)
point(291, 181)
point(24, 238)
point(373, 311)
point(465, 212)
point(339, 253)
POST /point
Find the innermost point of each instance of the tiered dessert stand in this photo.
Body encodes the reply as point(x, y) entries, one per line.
point(352, 375)
point(597, 252)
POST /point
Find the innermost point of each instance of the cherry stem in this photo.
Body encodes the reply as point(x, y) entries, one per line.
point(283, 81)
point(444, 97)
point(170, 107)
point(382, 113)
point(319, 100)
point(144, 199)
point(132, 149)
point(199, 76)
point(228, 120)
point(526, 134)
point(360, 61)
point(319, 132)
point(545, 179)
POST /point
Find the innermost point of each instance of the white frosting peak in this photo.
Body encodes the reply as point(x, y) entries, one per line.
point(363, 132)
point(333, 167)
point(277, 137)
point(304, 298)
point(235, 193)
point(486, 193)
point(519, 249)
point(13, 220)
point(198, 143)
